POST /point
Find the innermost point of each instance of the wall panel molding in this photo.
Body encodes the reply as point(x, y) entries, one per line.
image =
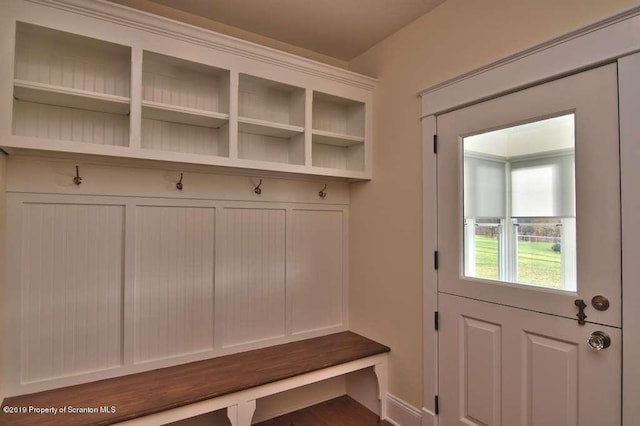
point(174, 281)
point(196, 278)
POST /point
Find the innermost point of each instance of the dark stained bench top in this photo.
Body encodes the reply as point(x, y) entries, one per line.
point(141, 394)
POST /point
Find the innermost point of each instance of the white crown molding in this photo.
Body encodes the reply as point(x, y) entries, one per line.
point(122, 15)
point(592, 45)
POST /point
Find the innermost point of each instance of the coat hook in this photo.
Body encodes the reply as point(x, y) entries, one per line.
point(179, 184)
point(257, 189)
point(77, 180)
point(323, 192)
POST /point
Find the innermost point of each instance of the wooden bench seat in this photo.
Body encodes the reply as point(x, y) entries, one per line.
point(233, 382)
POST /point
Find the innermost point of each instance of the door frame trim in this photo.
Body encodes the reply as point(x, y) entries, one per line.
point(602, 42)
point(612, 39)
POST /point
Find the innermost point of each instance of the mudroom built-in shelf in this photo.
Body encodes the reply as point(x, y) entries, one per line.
point(185, 106)
point(185, 96)
point(70, 88)
point(271, 121)
point(338, 132)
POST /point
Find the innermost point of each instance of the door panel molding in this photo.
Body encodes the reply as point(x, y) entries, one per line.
point(511, 353)
point(611, 39)
point(527, 341)
point(481, 371)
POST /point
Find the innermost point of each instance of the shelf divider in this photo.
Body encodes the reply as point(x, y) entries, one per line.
point(135, 117)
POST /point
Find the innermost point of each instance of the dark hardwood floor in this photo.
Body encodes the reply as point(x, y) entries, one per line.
point(341, 411)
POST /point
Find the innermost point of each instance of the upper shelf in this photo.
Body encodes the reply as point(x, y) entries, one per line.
point(150, 100)
point(268, 128)
point(68, 97)
point(336, 139)
point(183, 115)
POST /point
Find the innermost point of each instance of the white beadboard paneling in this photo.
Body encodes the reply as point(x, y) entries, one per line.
point(251, 294)
point(69, 124)
point(338, 157)
point(316, 270)
point(330, 156)
point(166, 136)
point(338, 115)
point(71, 289)
point(62, 59)
point(269, 148)
point(177, 82)
point(271, 101)
point(174, 281)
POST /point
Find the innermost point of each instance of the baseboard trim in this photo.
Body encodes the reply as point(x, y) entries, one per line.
point(400, 413)
point(428, 417)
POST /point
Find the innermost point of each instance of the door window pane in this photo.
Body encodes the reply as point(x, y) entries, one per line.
point(519, 204)
point(539, 251)
point(484, 237)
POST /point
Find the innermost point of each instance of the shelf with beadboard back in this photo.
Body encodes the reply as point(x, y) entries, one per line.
point(271, 119)
point(151, 97)
point(185, 106)
point(338, 133)
point(70, 88)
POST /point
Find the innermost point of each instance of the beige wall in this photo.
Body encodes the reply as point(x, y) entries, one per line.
point(386, 213)
point(198, 21)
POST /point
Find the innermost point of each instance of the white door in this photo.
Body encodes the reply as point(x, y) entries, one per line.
point(528, 238)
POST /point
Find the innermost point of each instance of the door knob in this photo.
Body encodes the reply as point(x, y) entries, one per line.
point(599, 340)
point(601, 303)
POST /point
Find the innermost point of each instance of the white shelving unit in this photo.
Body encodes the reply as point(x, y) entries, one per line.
point(270, 121)
point(133, 86)
point(338, 133)
point(70, 88)
point(185, 106)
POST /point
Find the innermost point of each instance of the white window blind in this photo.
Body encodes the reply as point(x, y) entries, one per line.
point(543, 187)
point(484, 188)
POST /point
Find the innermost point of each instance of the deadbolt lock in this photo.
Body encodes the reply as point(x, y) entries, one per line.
point(600, 303)
point(599, 340)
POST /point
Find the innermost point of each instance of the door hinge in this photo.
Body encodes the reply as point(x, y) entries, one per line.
point(436, 320)
point(436, 406)
point(435, 259)
point(435, 144)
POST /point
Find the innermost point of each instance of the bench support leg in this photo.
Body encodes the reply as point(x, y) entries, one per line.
point(232, 415)
point(381, 375)
point(241, 414)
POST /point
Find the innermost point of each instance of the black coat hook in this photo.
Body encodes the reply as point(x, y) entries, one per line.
point(77, 180)
point(257, 189)
point(323, 192)
point(179, 184)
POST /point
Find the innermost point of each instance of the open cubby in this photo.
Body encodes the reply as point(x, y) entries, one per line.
point(97, 93)
point(260, 147)
point(270, 121)
point(70, 87)
point(338, 157)
point(185, 106)
point(270, 101)
point(338, 132)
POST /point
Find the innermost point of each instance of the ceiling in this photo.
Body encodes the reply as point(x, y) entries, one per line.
point(341, 29)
